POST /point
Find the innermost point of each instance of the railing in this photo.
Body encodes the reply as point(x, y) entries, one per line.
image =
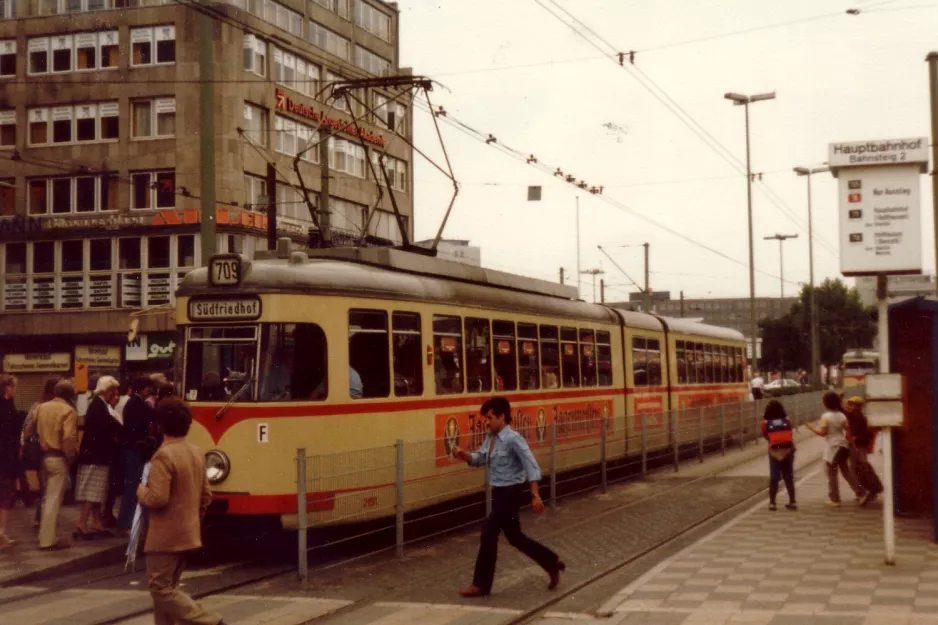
point(367, 500)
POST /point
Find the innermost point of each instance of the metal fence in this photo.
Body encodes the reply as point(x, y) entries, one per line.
point(366, 500)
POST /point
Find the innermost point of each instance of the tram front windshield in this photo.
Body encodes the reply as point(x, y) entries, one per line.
point(859, 368)
point(274, 361)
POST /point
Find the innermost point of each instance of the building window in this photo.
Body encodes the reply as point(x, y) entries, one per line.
point(273, 13)
point(153, 45)
point(372, 63)
point(79, 194)
point(292, 137)
point(373, 20)
point(340, 104)
point(7, 56)
point(7, 11)
point(255, 55)
point(295, 73)
point(330, 41)
point(255, 193)
point(80, 123)
point(347, 216)
point(391, 115)
point(396, 170)
point(7, 129)
point(347, 156)
point(339, 7)
point(255, 124)
point(73, 53)
point(153, 189)
point(153, 118)
point(7, 197)
point(384, 226)
point(290, 203)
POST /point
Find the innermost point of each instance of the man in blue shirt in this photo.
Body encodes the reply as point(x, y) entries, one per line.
point(511, 465)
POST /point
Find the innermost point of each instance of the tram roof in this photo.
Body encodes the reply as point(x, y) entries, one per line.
point(345, 272)
point(687, 326)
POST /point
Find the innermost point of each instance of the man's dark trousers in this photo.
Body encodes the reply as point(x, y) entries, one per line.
point(504, 518)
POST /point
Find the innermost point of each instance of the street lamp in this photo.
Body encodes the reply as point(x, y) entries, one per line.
point(745, 100)
point(781, 238)
point(815, 342)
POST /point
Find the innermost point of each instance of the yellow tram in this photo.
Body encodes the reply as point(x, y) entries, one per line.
point(348, 349)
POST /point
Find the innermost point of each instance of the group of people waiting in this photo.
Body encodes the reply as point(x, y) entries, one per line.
point(849, 441)
point(109, 444)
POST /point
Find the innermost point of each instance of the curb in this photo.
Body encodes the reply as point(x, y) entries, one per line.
point(112, 555)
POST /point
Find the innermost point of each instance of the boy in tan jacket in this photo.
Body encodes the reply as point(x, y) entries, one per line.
point(177, 496)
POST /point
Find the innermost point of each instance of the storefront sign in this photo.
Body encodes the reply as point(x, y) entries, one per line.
point(109, 222)
point(98, 355)
point(136, 350)
point(286, 103)
point(880, 205)
point(241, 308)
point(35, 363)
point(152, 346)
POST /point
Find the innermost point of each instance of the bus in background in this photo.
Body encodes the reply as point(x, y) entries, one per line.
point(856, 363)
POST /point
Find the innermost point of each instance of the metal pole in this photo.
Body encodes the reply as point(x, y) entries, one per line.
point(675, 416)
point(207, 114)
point(301, 520)
point(753, 328)
point(647, 293)
point(932, 59)
point(553, 465)
point(700, 442)
point(325, 210)
point(399, 497)
point(602, 291)
point(889, 529)
point(271, 207)
point(722, 429)
point(644, 446)
point(604, 424)
point(578, 274)
point(781, 266)
point(815, 345)
point(561, 275)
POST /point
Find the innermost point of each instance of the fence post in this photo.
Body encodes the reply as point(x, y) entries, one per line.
point(700, 442)
point(604, 424)
point(722, 429)
point(553, 465)
point(741, 426)
point(399, 497)
point(676, 417)
point(301, 521)
point(644, 445)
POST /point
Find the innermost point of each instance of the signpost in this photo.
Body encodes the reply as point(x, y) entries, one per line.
point(880, 235)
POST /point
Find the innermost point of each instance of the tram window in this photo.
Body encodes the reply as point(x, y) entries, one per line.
point(369, 354)
point(639, 362)
point(220, 362)
point(604, 358)
point(569, 358)
point(708, 363)
point(699, 364)
point(724, 365)
point(447, 355)
point(587, 358)
point(550, 357)
point(505, 356)
point(717, 373)
point(681, 362)
point(478, 358)
point(408, 359)
point(293, 366)
point(654, 362)
point(740, 364)
point(527, 357)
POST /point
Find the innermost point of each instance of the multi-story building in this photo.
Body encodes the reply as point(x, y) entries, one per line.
point(100, 168)
point(727, 312)
point(896, 286)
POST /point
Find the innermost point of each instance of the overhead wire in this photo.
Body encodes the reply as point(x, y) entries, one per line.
point(675, 108)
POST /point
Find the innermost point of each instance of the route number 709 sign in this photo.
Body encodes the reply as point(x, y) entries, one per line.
point(225, 270)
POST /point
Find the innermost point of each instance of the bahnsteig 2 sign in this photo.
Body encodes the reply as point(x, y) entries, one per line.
point(880, 205)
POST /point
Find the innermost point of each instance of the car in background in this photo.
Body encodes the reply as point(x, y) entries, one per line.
point(785, 386)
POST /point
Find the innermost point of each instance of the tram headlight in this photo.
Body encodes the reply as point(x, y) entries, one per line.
point(217, 466)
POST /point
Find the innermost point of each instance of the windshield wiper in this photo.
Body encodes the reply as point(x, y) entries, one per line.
point(247, 384)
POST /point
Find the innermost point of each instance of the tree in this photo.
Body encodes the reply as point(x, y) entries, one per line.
point(843, 323)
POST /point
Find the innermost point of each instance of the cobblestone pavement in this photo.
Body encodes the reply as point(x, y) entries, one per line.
point(817, 566)
point(592, 532)
point(24, 559)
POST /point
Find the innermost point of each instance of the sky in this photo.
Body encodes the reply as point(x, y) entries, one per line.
point(511, 69)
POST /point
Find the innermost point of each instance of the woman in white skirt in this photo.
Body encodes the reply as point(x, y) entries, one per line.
point(94, 458)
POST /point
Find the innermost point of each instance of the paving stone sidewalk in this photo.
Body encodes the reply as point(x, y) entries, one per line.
point(816, 566)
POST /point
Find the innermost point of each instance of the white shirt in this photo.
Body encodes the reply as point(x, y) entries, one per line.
point(836, 423)
point(758, 382)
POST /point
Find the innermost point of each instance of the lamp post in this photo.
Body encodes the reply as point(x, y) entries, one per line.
point(744, 101)
point(813, 315)
point(781, 238)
